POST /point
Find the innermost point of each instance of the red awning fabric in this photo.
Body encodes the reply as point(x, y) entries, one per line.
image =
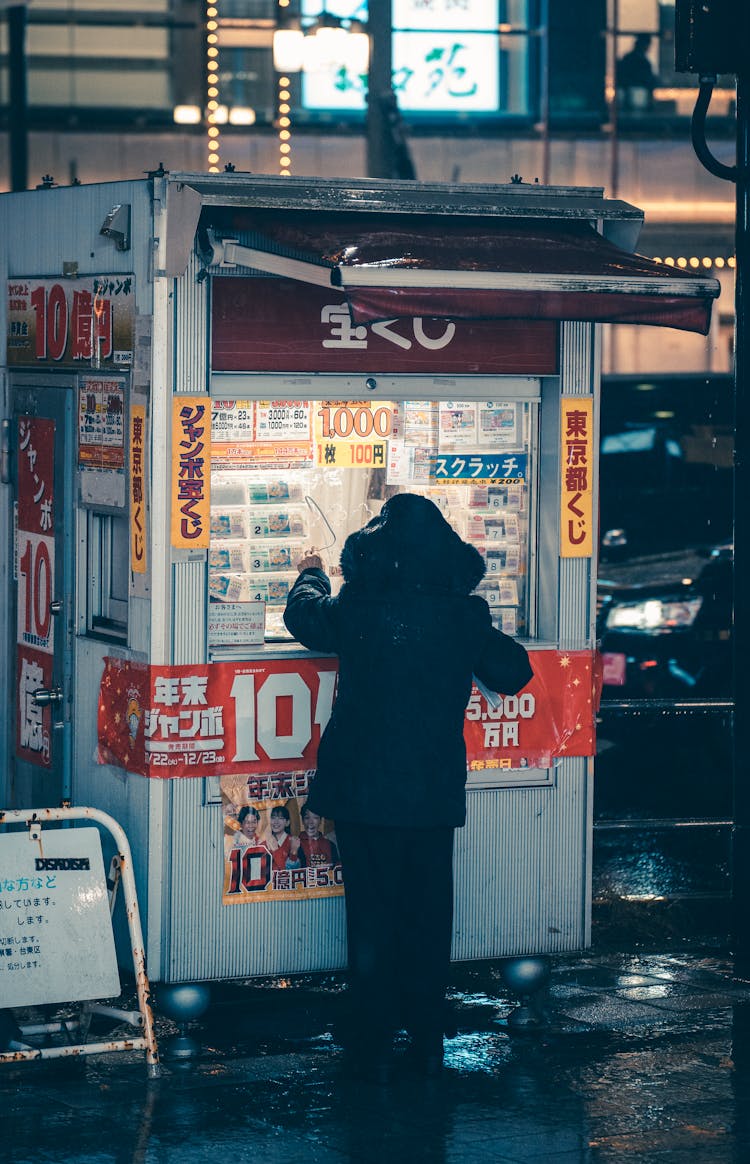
point(392, 266)
point(690, 313)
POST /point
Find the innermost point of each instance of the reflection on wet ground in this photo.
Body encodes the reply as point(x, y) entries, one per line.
point(650, 863)
point(654, 876)
point(645, 1057)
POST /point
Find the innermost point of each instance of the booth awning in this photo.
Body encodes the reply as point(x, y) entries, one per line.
point(393, 267)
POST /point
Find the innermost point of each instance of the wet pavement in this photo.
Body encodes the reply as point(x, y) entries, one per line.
point(644, 1056)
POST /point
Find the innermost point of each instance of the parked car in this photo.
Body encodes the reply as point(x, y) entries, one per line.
point(665, 475)
point(668, 637)
point(665, 562)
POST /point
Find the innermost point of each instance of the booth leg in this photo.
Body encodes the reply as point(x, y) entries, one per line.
point(528, 978)
point(183, 1002)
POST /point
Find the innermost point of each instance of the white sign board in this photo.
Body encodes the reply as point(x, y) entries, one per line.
point(232, 624)
point(56, 940)
point(445, 58)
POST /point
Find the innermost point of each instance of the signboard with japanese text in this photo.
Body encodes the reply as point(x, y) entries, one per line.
point(101, 423)
point(137, 499)
point(480, 468)
point(33, 723)
point(353, 434)
point(278, 325)
point(191, 478)
point(266, 717)
point(214, 718)
point(35, 580)
point(56, 940)
point(553, 716)
point(446, 58)
point(275, 848)
point(236, 623)
point(71, 323)
point(280, 432)
point(576, 481)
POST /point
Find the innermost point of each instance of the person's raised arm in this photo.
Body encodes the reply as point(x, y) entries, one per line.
point(502, 664)
point(311, 613)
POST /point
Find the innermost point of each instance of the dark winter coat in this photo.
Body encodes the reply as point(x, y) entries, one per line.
point(409, 635)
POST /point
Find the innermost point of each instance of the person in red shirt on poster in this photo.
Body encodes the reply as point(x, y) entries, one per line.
point(285, 848)
point(251, 872)
point(317, 849)
point(409, 634)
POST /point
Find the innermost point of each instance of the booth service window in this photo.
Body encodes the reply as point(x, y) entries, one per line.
point(294, 474)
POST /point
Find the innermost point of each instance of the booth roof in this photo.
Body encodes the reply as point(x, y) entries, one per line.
point(392, 266)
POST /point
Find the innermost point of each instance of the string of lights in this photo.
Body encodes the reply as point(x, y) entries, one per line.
point(718, 261)
point(285, 133)
point(213, 116)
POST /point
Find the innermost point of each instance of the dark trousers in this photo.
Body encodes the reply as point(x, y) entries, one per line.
point(399, 917)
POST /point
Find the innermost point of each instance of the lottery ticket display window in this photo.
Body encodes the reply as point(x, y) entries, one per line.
point(288, 476)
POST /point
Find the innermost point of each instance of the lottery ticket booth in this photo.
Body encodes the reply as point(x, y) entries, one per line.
point(204, 376)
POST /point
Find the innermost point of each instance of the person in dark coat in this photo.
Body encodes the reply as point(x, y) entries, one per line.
point(635, 77)
point(391, 768)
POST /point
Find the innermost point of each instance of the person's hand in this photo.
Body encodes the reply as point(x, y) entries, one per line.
point(293, 845)
point(310, 559)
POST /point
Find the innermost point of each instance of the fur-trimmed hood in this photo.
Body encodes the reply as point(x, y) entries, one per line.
point(410, 545)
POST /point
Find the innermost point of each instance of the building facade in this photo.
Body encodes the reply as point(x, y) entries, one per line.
point(569, 92)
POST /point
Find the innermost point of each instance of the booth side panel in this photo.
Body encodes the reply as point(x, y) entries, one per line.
point(189, 627)
point(125, 797)
point(191, 306)
point(40, 231)
point(520, 881)
point(520, 888)
point(45, 228)
point(580, 360)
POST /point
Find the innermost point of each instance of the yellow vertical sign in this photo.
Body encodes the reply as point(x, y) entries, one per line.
point(138, 488)
point(576, 477)
point(191, 468)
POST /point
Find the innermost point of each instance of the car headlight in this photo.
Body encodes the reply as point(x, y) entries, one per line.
point(653, 614)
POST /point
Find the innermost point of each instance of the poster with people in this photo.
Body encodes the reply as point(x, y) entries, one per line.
point(275, 847)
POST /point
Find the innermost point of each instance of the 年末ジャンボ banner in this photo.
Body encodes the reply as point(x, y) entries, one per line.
point(265, 717)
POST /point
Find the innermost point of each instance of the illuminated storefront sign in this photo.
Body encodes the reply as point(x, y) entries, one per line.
point(445, 58)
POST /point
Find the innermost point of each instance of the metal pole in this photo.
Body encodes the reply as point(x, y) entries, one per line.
point(380, 89)
point(614, 129)
point(741, 634)
point(18, 134)
point(543, 32)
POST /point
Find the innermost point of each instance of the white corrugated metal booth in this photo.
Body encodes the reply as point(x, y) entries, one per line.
point(351, 338)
